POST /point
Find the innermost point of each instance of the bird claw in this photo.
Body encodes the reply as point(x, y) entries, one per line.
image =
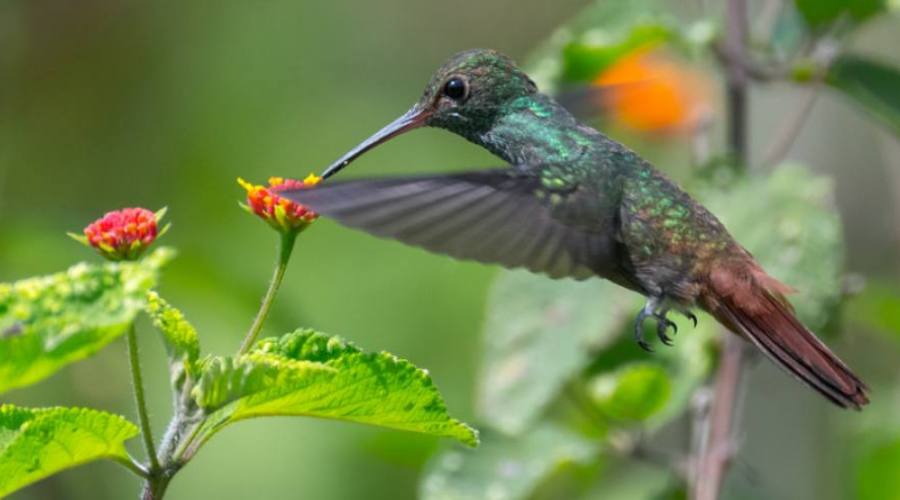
point(691, 316)
point(662, 324)
point(644, 345)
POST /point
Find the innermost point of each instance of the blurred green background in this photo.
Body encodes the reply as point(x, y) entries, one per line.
point(105, 104)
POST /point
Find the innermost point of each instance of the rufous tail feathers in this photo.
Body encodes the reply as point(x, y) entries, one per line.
point(752, 304)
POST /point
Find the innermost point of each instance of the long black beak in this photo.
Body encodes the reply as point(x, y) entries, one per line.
point(414, 118)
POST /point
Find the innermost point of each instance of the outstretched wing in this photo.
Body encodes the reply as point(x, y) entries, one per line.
point(499, 216)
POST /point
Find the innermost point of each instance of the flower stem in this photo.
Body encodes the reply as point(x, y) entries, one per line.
point(139, 399)
point(286, 246)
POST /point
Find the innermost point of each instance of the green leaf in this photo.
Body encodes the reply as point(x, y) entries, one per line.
point(872, 85)
point(604, 32)
point(51, 321)
point(35, 443)
point(788, 221)
point(821, 12)
point(877, 308)
point(631, 479)
point(306, 373)
point(788, 32)
point(505, 468)
point(877, 477)
point(181, 340)
point(583, 60)
point(684, 365)
point(634, 392)
point(541, 333)
point(224, 380)
point(538, 334)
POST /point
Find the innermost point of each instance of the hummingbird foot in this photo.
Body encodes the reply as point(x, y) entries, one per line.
point(653, 309)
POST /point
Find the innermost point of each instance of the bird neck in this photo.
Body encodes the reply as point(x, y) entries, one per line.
point(535, 129)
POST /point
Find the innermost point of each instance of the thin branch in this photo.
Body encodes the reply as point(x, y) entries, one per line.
point(736, 81)
point(140, 399)
point(713, 449)
point(824, 51)
point(717, 445)
point(789, 132)
point(751, 68)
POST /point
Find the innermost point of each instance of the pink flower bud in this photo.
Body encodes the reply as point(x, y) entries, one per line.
point(123, 234)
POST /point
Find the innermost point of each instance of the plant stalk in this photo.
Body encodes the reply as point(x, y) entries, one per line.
point(178, 443)
point(712, 457)
point(155, 487)
point(286, 246)
point(140, 400)
point(736, 79)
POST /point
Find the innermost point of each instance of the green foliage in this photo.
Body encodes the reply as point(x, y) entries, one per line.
point(788, 222)
point(583, 60)
point(306, 373)
point(50, 321)
point(532, 319)
point(505, 468)
point(877, 308)
point(821, 12)
point(870, 84)
point(788, 32)
point(542, 335)
point(633, 393)
point(622, 479)
point(544, 340)
point(538, 333)
point(35, 443)
point(181, 340)
point(877, 477)
point(224, 380)
point(604, 32)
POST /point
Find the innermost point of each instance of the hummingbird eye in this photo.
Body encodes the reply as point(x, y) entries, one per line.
point(456, 88)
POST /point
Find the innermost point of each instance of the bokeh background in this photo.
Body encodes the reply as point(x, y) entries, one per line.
point(105, 104)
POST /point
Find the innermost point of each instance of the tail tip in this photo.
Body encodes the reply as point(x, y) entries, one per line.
point(858, 399)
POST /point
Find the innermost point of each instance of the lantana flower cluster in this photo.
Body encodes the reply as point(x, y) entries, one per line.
point(123, 234)
point(281, 213)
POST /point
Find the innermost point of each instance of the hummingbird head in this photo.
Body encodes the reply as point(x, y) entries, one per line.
point(465, 96)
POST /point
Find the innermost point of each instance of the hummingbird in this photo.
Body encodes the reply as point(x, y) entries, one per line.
point(573, 203)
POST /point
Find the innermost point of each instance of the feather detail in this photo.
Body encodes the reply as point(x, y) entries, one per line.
point(500, 216)
point(753, 304)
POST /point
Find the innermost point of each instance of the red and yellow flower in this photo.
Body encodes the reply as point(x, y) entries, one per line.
point(281, 213)
point(123, 234)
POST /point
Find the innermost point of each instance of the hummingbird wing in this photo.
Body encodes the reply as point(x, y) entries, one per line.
point(498, 216)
